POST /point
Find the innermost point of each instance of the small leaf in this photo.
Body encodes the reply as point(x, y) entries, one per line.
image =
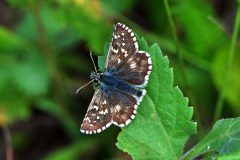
point(102, 59)
point(223, 139)
point(163, 122)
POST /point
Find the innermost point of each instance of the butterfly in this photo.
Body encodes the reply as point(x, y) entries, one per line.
point(120, 86)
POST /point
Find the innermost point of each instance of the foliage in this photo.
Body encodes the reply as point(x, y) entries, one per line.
point(44, 58)
point(222, 141)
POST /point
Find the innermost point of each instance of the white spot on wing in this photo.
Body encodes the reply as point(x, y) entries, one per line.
point(118, 60)
point(132, 116)
point(121, 125)
point(133, 65)
point(104, 102)
point(83, 131)
point(115, 50)
point(128, 121)
point(118, 107)
point(107, 125)
point(136, 45)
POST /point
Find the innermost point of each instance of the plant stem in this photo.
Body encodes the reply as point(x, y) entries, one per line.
point(182, 65)
point(221, 97)
point(7, 136)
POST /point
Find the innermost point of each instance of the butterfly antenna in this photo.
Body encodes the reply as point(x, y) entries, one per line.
point(84, 86)
point(93, 61)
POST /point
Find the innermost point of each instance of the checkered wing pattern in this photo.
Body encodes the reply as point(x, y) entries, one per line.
point(98, 116)
point(125, 60)
point(125, 107)
point(123, 44)
point(107, 107)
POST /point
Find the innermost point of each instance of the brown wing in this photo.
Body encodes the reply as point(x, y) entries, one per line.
point(98, 116)
point(125, 108)
point(123, 44)
point(135, 69)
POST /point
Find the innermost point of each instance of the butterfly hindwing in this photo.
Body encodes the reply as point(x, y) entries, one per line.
point(138, 67)
point(125, 108)
point(98, 116)
point(110, 106)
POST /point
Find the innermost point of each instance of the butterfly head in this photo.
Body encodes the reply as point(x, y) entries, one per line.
point(95, 76)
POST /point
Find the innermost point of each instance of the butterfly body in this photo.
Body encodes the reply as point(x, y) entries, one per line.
point(121, 85)
point(113, 82)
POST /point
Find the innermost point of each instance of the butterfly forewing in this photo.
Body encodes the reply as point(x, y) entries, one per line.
point(125, 60)
point(123, 44)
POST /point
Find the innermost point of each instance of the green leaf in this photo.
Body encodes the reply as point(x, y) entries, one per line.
point(88, 22)
point(231, 156)
point(163, 122)
point(9, 41)
point(204, 91)
point(233, 86)
point(13, 104)
point(54, 23)
point(102, 59)
point(223, 139)
point(200, 33)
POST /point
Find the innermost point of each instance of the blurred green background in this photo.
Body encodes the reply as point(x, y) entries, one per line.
point(44, 58)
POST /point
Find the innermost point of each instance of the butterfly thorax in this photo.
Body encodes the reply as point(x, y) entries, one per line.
point(109, 80)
